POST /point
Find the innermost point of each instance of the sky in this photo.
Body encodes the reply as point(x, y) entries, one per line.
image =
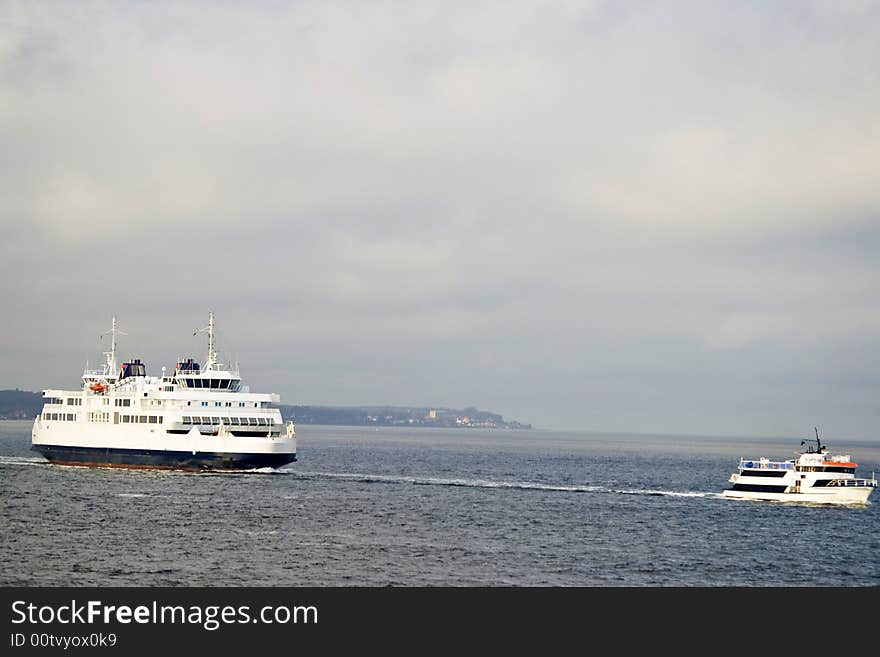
point(616, 216)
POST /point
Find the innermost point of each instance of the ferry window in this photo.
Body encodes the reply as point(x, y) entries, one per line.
point(143, 419)
point(215, 420)
point(186, 419)
point(241, 404)
point(124, 419)
point(228, 403)
point(233, 420)
point(262, 421)
point(204, 403)
point(160, 419)
point(153, 420)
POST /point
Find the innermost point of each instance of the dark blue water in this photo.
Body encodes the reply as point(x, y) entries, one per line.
point(434, 507)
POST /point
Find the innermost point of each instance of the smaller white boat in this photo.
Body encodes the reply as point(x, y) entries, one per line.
point(815, 477)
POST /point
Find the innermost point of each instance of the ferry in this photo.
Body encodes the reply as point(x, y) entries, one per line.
point(194, 418)
point(815, 476)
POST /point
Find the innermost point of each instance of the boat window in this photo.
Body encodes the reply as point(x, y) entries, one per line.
point(154, 419)
point(144, 419)
point(215, 420)
point(262, 422)
point(186, 419)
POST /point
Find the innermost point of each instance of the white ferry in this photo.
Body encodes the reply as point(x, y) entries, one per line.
point(814, 477)
point(196, 418)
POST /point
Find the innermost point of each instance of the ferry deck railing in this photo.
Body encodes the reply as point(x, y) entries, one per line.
point(854, 483)
point(752, 464)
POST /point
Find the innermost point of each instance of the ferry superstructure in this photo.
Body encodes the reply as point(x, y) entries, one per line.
point(815, 476)
point(196, 418)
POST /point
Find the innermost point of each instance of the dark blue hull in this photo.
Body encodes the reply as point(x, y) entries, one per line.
point(154, 459)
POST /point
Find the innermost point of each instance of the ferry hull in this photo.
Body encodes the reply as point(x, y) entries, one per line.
point(854, 495)
point(161, 459)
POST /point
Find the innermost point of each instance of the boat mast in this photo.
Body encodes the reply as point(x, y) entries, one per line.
point(211, 362)
point(110, 365)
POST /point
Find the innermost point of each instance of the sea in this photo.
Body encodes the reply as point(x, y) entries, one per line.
point(403, 507)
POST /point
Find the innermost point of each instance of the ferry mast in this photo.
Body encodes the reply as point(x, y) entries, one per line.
point(211, 362)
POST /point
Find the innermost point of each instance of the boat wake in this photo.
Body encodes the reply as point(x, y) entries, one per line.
point(369, 478)
point(488, 483)
point(23, 460)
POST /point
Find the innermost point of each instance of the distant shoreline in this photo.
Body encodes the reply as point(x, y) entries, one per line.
point(26, 405)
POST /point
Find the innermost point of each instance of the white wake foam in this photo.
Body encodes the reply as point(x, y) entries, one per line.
point(23, 460)
point(488, 483)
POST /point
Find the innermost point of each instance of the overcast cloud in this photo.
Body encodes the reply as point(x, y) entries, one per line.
point(622, 216)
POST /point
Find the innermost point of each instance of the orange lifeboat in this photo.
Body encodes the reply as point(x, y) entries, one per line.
point(98, 387)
